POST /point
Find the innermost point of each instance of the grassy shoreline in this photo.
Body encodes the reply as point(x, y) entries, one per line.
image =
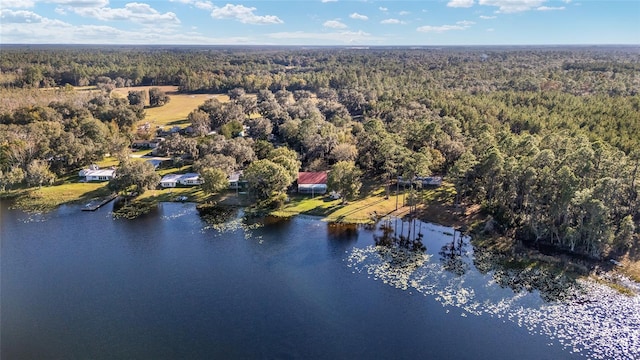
point(48, 198)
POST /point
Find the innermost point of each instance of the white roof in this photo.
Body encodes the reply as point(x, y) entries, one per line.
point(235, 177)
point(171, 178)
point(180, 177)
point(99, 172)
point(190, 176)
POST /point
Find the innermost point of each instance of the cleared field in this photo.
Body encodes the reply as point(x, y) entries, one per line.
point(176, 111)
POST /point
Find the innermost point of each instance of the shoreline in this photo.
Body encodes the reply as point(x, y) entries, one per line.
point(365, 210)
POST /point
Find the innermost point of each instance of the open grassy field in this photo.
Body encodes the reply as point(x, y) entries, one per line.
point(176, 111)
point(372, 204)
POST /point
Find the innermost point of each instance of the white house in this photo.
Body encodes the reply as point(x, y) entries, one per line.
point(94, 173)
point(189, 179)
point(169, 180)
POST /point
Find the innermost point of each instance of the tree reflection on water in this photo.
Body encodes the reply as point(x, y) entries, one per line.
point(520, 272)
point(390, 238)
point(402, 252)
point(453, 255)
point(400, 245)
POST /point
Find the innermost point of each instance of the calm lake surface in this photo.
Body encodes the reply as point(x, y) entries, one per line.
point(169, 286)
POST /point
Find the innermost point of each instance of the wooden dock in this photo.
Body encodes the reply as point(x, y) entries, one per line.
point(94, 207)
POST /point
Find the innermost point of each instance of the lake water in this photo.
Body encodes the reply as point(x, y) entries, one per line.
point(169, 286)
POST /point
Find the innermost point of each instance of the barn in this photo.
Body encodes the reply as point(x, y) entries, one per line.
point(312, 182)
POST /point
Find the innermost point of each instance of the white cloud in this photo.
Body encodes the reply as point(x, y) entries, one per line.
point(460, 3)
point(549, 8)
point(490, 30)
point(392, 21)
point(404, 13)
point(357, 16)
point(135, 12)
point(334, 24)
point(31, 3)
point(440, 29)
point(383, 8)
point(512, 6)
point(485, 17)
point(25, 17)
point(203, 5)
point(346, 37)
point(80, 3)
point(460, 25)
point(326, 1)
point(28, 27)
point(12, 4)
point(243, 14)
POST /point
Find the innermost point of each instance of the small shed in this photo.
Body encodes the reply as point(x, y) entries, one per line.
point(234, 180)
point(431, 180)
point(312, 182)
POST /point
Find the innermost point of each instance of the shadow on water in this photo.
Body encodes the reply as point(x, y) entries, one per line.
point(341, 236)
point(342, 232)
point(213, 215)
point(271, 221)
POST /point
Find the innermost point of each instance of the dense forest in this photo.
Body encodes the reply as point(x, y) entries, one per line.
point(546, 140)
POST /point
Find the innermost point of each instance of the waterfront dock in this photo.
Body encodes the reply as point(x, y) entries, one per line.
point(95, 206)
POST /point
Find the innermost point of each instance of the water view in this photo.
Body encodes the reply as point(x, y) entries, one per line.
point(173, 285)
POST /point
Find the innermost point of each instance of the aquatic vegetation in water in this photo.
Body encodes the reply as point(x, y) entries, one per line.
point(225, 219)
point(589, 318)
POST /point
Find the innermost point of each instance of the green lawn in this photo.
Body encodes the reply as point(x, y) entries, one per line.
point(371, 204)
point(108, 162)
point(49, 197)
point(193, 194)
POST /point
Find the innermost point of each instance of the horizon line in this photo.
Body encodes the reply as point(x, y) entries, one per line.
point(325, 45)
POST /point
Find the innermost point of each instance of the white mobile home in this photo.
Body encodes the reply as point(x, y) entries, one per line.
point(189, 179)
point(94, 173)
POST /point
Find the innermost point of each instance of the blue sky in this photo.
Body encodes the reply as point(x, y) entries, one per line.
point(321, 22)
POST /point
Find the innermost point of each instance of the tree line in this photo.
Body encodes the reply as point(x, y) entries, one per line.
point(546, 143)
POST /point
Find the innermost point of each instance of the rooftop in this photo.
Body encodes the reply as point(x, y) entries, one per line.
point(312, 177)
